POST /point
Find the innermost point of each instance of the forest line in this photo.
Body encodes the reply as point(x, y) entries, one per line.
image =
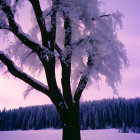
point(120, 113)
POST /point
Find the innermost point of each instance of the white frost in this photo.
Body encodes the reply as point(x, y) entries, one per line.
point(99, 41)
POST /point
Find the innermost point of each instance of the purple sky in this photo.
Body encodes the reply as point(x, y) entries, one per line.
point(11, 89)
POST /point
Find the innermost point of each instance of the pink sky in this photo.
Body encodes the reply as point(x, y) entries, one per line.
point(11, 89)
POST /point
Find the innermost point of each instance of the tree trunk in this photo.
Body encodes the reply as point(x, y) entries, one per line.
point(71, 132)
point(71, 127)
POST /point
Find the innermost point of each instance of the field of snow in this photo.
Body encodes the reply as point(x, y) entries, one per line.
point(107, 134)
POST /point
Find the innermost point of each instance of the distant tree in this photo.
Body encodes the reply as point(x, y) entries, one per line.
point(72, 32)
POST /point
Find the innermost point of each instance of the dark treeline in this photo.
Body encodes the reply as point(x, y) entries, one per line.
point(115, 113)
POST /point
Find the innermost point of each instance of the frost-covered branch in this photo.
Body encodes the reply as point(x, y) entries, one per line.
point(4, 26)
point(96, 18)
point(15, 71)
point(9, 13)
point(53, 27)
point(77, 43)
point(40, 50)
point(83, 80)
point(67, 39)
point(15, 29)
point(15, 5)
point(81, 86)
point(66, 62)
point(47, 12)
point(92, 19)
point(68, 30)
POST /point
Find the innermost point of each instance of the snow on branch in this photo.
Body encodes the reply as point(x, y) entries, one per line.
point(92, 19)
point(40, 50)
point(81, 86)
point(4, 26)
point(68, 30)
point(63, 54)
point(83, 80)
point(15, 71)
point(15, 29)
point(15, 5)
point(47, 12)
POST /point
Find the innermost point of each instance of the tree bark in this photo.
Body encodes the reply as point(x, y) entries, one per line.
point(71, 132)
point(71, 127)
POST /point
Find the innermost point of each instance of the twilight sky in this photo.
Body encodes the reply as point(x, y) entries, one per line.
point(11, 89)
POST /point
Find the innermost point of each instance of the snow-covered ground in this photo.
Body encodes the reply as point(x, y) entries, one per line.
point(107, 134)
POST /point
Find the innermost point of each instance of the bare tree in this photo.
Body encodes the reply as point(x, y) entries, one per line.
point(78, 36)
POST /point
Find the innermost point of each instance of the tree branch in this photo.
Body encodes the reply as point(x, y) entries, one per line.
point(66, 63)
point(83, 81)
point(23, 76)
point(47, 12)
point(14, 28)
point(81, 86)
point(41, 51)
point(68, 31)
point(58, 49)
point(41, 22)
point(55, 96)
point(49, 65)
point(48, 40)
point(50, 69)
point(95, 18)
point(78, 42)
point(15, 5)
point(4, 26)
point(104, 16)
point(53, 27)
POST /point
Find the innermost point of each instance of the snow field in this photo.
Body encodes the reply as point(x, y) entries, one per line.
point(107, 134)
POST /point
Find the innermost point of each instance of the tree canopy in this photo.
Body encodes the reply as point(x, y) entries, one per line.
point(75, 33)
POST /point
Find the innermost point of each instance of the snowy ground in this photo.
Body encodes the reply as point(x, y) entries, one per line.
point(107, 134)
